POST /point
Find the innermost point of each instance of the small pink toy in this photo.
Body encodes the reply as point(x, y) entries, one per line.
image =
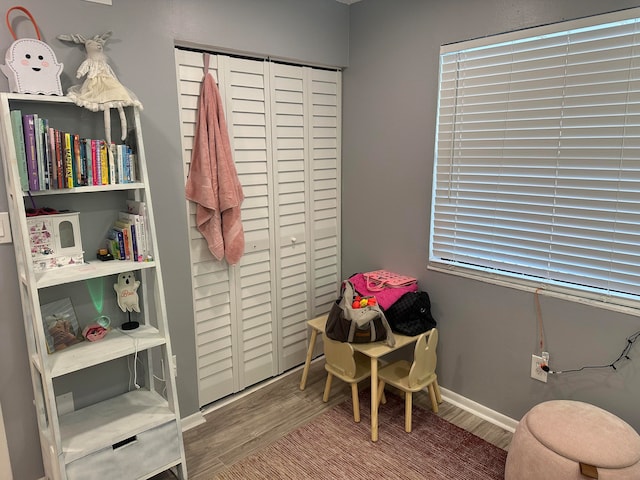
point(94, 332)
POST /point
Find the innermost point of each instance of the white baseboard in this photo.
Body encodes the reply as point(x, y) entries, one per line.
point(453, 398)
point(192, 421)
point(232, 398)
point(479, 410)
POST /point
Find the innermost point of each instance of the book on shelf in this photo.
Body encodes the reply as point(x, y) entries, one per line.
point(21, 154)
point(80, 178)
point(59, 158)
point(117, 237)
point(28, 124)
point(37, 123)
point(95, 171)
point(113, 178)
point(135, 223)
point(126, 235)
point(51, 156)
point(126, 162)
point(132, 166)
point(104, 161)
point(68, 160)
point(46, 155)
point(85, 157)
point(119, 163)
point(139, 208)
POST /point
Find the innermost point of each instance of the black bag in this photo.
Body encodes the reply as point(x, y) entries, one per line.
point(360, 324)
point(411, 314)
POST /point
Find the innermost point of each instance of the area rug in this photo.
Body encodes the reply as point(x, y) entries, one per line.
point(333, 446)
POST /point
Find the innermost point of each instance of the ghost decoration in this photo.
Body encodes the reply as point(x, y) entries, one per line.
point(32, 67)
point(127, 292)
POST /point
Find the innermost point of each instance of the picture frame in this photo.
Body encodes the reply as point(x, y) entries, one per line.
point(61, 328)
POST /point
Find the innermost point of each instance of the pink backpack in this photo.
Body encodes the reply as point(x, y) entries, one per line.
point(386, 293)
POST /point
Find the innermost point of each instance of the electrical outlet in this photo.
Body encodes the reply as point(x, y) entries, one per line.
point(536, 372)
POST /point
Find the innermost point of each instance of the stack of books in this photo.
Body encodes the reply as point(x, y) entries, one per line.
point(129, 237)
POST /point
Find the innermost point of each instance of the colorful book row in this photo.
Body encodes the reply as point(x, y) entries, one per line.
point(51, 159)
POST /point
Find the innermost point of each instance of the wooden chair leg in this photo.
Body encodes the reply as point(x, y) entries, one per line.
point(407, 412)
point(383, 400)
point(432, 395)
point(356, 402)
point(436, 388)
point(327, 388)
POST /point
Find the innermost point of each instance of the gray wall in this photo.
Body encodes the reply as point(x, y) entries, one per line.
point(390, 92)
point(488, 333)
point(142, 54)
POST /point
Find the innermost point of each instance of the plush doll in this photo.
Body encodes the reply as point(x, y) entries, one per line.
point(101, 89)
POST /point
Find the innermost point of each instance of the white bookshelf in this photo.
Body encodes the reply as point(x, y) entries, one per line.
point(121, 428)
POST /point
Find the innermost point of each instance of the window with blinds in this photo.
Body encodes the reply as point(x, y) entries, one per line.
point(537, 168)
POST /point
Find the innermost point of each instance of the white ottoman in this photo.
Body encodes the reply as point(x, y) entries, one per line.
point(569, 440)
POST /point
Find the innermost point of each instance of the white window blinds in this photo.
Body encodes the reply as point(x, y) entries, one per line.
point(537, 171)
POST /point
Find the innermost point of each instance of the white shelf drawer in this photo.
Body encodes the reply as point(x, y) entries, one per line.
point(134, 457)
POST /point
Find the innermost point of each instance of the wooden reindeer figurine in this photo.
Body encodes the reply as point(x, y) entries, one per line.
point(101, 89)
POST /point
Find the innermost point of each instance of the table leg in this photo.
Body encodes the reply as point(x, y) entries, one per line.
point(307, 363)
point(374, 399)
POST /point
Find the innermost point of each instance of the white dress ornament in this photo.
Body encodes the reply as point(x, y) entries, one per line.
point(101, 89)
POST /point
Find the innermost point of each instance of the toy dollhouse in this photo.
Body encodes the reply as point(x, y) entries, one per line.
point(55, 240)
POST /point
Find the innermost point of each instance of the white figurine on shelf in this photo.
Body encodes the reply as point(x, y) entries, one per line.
point(127, 291)
point(101, 89)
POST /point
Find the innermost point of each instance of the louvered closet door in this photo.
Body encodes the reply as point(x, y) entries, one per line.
point(306, 112)
point(212, 289)
point(325, 153)
point(291, 148)
point(284, 126)
point(248, 118)
point(235, 321)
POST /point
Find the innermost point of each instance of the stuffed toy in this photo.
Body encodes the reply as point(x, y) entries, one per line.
point(101, 89)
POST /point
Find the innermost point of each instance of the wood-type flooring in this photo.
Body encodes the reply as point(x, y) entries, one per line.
point(235, 428)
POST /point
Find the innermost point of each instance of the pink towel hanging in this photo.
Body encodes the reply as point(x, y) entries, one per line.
point(213, 182)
